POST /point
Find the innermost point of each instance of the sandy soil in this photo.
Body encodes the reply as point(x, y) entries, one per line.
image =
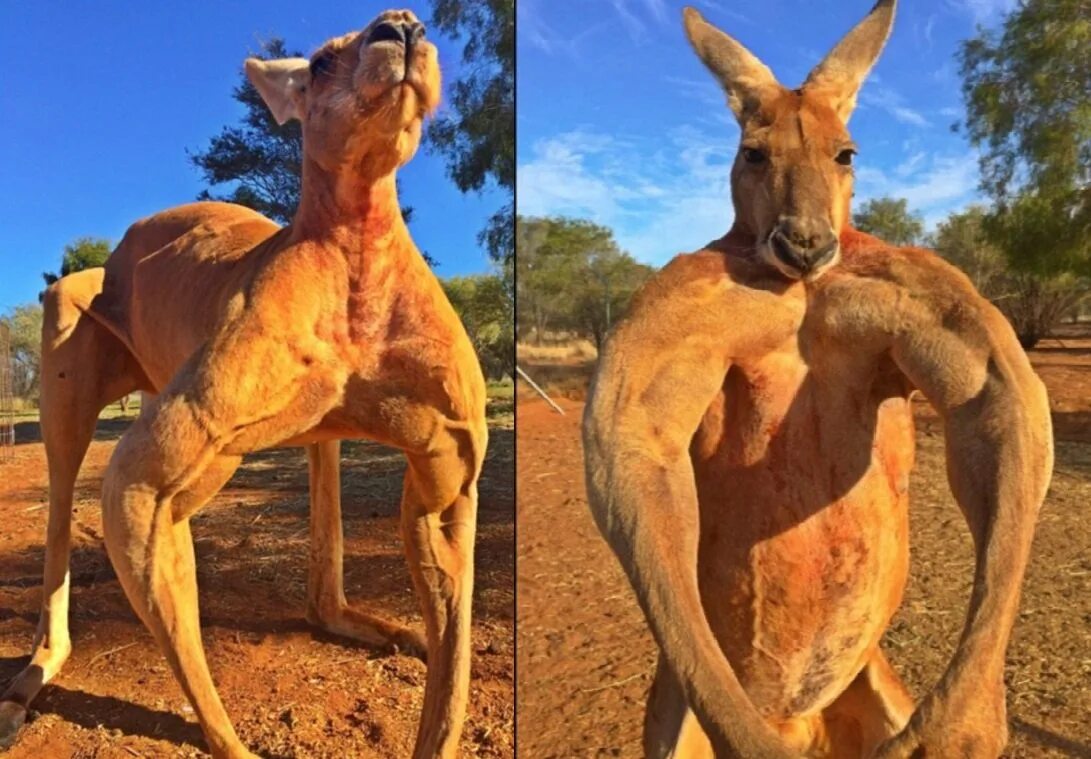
point(291, 691)
point(585, 658)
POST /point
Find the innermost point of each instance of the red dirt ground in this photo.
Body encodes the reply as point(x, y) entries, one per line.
point(291, 691)
point(585, 658)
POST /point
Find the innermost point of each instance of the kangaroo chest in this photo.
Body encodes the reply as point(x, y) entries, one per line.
point(802, 473)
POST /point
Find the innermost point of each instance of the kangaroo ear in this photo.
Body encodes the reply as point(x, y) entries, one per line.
point(842, 72)
point(744, 78)
point(281, 84)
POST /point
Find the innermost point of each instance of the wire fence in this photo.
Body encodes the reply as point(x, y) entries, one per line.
point(7, 396)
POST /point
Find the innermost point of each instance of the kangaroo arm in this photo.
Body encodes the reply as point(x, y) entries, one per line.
point(647, 511)
point(999, 460)
point(658, 375)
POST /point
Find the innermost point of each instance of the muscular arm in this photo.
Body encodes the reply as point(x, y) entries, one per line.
point(659, 373)
point(963, 355)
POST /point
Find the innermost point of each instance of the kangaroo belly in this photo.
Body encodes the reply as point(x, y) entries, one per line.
point(804, 550)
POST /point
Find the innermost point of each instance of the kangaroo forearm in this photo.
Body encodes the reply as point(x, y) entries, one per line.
point(734, 727)
point(641, 496)
point(993, 609)
point(1000, 461)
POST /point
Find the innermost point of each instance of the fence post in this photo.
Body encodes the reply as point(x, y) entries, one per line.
point(7, 396)
point(539, 390)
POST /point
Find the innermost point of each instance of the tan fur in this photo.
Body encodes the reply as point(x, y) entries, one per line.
point(749, 439)
point(253, 336)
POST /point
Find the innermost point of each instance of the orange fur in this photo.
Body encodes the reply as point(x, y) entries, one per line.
point(253, 336)
point(749, 439)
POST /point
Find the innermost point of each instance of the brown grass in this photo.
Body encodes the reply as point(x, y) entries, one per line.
point(565, 351)
point(562, 368)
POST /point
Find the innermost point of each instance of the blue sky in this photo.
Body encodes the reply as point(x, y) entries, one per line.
point(619, 122)
point(100, 101)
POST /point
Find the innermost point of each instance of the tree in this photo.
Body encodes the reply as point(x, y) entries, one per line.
point(484, 304)
point(890, 220)
point(1033, 302)
point(603, 296)
point(552, 252)
point(535, 287)
point(572, 276)
point(479, 139)
point(82, 253)
point(1037, 303)
point(263, 159)
point(25, 323)
point(260, 159)
point(961, 240)
point(1027, 89)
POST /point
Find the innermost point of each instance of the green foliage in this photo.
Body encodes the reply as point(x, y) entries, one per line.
point(479, 139)
point(890, 220)
point(551, 253)
point(483, 302)
point(961, 240)
point(262, 159)
point(25, 323)
point(82, 253)
point(1047, 231)
point(1034, 303)
point(1027, 89)
point(571, 275)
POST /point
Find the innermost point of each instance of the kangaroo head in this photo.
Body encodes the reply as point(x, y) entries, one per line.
point(791, 182)
point(361, 98)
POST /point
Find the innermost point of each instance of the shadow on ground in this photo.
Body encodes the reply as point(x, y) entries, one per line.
point(91, 711)
point(252, 545)
point(1051, 739)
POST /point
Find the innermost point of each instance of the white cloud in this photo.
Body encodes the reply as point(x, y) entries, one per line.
point(538, 34)
point(910, 164)
point(945, 74)
point(657, 8)
point(934, 185)
point(705, 91)
point(558, 179)
point(633, 25)
point(893, 103)
point(663, 196)
point(533, 29)
point(908, 116)
point(659, 196)
point(637, 16)
point(984, 11)
point(720, 9)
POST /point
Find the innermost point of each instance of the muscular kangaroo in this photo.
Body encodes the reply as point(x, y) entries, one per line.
point(749, 440)
point(253, 336)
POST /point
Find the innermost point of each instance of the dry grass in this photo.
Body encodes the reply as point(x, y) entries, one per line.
point(564, 351)
point(562, 367)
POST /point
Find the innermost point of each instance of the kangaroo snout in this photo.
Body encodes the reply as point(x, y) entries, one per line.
point(802, 243)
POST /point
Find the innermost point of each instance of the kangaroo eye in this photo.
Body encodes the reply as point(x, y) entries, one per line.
point(845, 157)
point(753, 156)
point(322, 64)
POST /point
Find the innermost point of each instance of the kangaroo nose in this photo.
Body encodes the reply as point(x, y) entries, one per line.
point(805, 234)
point(406, 33)
point(804, 244)
point(414, 32)
point(387, 32)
